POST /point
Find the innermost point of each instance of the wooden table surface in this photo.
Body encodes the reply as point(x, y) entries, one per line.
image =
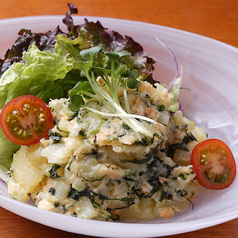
point(217, 19)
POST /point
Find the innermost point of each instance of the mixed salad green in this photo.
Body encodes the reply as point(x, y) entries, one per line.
point(49, 65)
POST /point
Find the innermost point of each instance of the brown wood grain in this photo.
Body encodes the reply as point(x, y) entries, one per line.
point(217, 19)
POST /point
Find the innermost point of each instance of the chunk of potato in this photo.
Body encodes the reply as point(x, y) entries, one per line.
point(25, 176)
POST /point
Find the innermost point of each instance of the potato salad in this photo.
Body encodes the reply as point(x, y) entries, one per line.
point(95, 167)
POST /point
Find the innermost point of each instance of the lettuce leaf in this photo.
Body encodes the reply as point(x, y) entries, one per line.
point(40, 75)
point(44, 41)
point(110, 40)
point(43, 64)
point(7, 148)
point(43, 74)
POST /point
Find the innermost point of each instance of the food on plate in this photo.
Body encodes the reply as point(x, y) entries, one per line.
point(26, 119)
point(214, 164)
point(119, 147)
point(95, 166)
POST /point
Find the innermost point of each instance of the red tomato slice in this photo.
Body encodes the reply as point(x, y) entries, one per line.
point(214, 164)
point(26, 119)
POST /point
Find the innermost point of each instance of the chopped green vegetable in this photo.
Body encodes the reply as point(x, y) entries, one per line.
point(53, 170)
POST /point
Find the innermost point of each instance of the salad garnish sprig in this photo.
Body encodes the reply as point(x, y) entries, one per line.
point(113, 77)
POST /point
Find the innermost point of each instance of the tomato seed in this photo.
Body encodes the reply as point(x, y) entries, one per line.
point(19, 132)
point(35, 110)
point(202, 161)
point(13, 121)
point(15, 129)
point(41, 120)
point(208, 173)
point(26, 108)
point(24, 134)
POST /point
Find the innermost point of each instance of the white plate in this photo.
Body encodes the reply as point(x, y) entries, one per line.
point(210, 72)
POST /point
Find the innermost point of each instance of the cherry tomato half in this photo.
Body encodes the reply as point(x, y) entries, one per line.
point(26, 119)
point(214, 164)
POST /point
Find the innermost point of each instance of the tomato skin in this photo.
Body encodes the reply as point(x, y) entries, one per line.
point(214, 164)
point(26, 119)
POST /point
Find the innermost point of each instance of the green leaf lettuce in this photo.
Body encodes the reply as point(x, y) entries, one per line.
point(43, 74)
